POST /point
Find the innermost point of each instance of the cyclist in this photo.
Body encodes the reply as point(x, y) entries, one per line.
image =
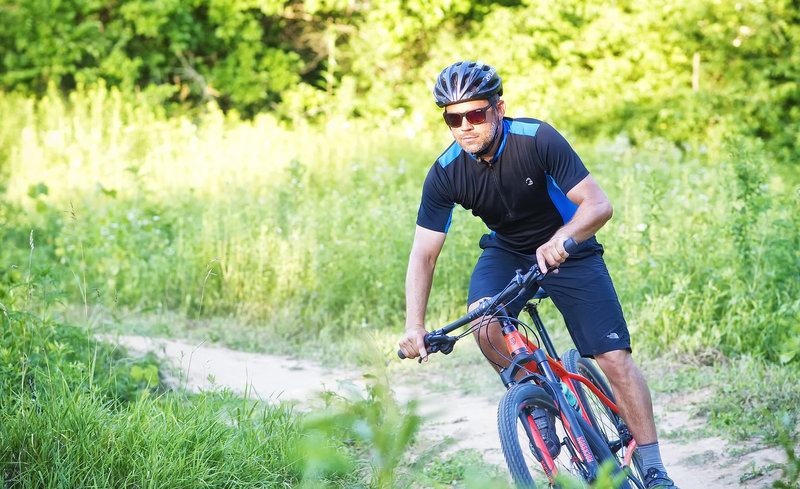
point(522, 178)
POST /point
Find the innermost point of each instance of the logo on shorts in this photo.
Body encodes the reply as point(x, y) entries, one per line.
point(529, 181)
point(613, 336)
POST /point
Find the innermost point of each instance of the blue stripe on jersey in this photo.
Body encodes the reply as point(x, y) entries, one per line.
point(451, 154)
point(449, 219)
point(524, 128)
point(564, 206)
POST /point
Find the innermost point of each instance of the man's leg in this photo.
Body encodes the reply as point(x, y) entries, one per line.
point(494, 269)
point(631, 393)
point(634, 404)
point(491, 342)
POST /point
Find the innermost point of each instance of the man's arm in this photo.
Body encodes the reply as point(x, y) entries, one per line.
point(419, 277)
point(594, 210)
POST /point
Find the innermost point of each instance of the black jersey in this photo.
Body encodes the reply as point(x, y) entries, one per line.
point(520, 194)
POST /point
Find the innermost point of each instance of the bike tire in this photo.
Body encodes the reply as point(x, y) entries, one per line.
point(524, 466)
point(605, 421)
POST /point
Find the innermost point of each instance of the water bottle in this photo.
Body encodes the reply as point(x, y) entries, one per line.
point(571, 399)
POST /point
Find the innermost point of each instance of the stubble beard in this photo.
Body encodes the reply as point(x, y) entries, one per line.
point(488, 143)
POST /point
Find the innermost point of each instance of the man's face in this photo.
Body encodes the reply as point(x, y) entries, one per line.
point(474, 138)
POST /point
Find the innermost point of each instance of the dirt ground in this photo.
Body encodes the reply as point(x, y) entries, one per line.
point(699, 463)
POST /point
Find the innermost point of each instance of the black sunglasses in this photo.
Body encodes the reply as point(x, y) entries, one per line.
point(477, 116)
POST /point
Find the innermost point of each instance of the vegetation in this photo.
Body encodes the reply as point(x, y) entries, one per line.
point(191, 164)
point(79, 412)
point(223, 218)
point(674, 69)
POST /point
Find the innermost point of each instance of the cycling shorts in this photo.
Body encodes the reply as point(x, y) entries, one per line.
point(581, 290)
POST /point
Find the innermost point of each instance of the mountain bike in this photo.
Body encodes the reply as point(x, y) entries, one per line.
point(558, 414)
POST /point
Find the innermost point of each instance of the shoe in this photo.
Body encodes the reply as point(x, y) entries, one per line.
point(657, 479)
point(546, 423)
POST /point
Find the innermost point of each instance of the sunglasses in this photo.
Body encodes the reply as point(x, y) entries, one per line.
point(477, 116)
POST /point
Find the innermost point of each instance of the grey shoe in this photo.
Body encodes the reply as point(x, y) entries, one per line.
point(657, 479)
point(546, 423)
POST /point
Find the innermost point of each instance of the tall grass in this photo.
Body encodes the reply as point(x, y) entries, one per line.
point(704, 248)
point(304, 231)
point(79, 412)
point(73, 438)
point(307, 229)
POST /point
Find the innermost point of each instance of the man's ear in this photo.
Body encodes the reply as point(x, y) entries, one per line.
point(501, 108)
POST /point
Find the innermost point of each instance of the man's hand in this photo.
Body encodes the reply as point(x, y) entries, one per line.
point(551, 253)
point(413, 343)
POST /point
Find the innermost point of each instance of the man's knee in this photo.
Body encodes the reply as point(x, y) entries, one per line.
point(616, 363)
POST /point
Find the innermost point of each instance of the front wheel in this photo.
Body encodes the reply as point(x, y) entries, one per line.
point(606, 422)
point(518, 430)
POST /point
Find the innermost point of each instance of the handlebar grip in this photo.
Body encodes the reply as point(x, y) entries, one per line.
point(570, 245)
point(427, 348)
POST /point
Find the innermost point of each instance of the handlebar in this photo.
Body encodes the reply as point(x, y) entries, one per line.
point(439, 341)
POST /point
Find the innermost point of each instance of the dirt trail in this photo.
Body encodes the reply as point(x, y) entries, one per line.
point(703, 463)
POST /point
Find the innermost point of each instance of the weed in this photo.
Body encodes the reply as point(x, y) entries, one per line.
point(789, 439)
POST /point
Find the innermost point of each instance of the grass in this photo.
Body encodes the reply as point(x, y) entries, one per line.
point(80, 412)
point(744, 395)
point(268, 237)
point(83, 413)
point(277, 226)
point(76, 439)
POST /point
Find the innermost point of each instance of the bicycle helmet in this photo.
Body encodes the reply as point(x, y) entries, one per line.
point(465, 81)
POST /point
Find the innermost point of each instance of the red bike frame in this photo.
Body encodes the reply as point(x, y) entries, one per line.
point(518, 344)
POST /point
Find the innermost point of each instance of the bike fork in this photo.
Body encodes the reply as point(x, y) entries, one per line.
point(568, 415)
point(517, 346)
point(539, 449)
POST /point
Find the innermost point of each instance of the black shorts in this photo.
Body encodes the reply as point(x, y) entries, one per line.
point(582, 291)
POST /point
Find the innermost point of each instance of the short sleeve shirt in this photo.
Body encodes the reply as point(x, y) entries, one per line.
point(520, 195)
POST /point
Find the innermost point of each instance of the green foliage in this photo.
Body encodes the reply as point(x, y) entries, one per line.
point(702, 248)
point(219, 217)
point(41, 354)
point(233, 51)
point(77, 411)
point(740, 409)
point(72, 437)
point(605, 479)
point(380, 429)
point(789, 439)
point(463, 469)
point(683, 70)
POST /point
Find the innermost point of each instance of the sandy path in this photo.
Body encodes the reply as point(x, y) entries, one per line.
point(702, 463)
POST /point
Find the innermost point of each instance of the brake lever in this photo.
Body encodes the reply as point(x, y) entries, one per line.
point(430, 349)
point(440, 343)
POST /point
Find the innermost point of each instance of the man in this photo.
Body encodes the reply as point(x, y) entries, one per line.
point(533, 192)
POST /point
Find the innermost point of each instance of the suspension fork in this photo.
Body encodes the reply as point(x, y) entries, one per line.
point(522, 354)
point(517, 345)
point(568, 415)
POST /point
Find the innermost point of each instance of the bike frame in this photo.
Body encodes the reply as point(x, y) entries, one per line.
point(545, 368)
point(539, 366)
point(525, 356)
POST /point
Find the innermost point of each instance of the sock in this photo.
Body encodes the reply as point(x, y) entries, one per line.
point(651, 457)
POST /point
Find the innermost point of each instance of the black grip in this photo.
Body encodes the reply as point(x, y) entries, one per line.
point(570, 245)
point(427, 348)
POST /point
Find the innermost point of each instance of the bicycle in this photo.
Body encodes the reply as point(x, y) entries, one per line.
point(571, 391)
